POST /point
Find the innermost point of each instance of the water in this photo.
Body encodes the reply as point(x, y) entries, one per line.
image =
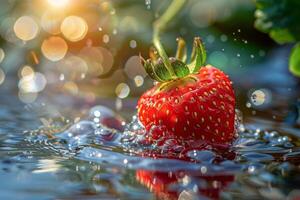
point(84, 159)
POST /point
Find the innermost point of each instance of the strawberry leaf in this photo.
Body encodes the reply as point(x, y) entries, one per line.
point(280, 19)
point(294, 62)
point(180, 68)
point(162, 72)
point(149, 68)
point(198, 56)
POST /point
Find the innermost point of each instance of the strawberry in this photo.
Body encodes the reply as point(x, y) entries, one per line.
point(195, 103)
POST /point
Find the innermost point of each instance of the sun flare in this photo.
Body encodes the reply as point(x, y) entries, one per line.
point(58, 3)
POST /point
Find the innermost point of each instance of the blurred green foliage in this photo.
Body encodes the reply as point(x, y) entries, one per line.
point(280, 19)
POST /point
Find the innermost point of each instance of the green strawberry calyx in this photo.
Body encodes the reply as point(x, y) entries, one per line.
point(164, 69)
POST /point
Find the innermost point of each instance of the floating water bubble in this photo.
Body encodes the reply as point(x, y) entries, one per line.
point(78, 129)
point(202, 156)
point(105, 116)
point(54, 48)
point(2, 55)
point(26, 28)
point(260, 97)
point(104, 134)
point(122, 90)
point(74, 28)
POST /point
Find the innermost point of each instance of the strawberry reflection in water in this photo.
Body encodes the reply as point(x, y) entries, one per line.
point(165, 185)
point(199, 184)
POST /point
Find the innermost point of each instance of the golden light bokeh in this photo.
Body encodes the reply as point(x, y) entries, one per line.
point(26, 28)
point(58, 3)
point(99, 60)
point(72, 67)
point(54, 48)
point(71, 87)
point(51, 21)
point(26, 71)
point(122, 90)
point(32, 83)
point(74, 28)
point(139, 80)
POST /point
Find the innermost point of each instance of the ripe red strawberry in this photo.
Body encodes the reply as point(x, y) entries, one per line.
point(198, 105)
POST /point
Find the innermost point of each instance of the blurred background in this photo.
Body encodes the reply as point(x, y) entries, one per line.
point(78, 53)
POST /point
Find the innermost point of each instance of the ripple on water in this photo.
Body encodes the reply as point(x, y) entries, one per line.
point(252, 155)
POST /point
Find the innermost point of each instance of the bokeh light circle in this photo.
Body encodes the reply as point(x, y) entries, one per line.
point(51, 21)
point(99, 60)
point(74, 28)
point(260, 97)
point(138, 80)
point(58, 3)
point(54, 48)
point(2, 55)
point(134, 67)
point(122, 90)
point(26, 28)
point(2, 76)
point(32, 83)
point(27, 97)
point(72, 67)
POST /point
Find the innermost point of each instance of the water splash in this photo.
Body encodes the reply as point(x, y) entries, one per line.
point(254, 153)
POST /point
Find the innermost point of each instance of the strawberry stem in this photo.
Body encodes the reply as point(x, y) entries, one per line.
point(159, 26)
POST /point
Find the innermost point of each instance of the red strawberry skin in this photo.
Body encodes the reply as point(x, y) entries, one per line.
point(199, 106)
